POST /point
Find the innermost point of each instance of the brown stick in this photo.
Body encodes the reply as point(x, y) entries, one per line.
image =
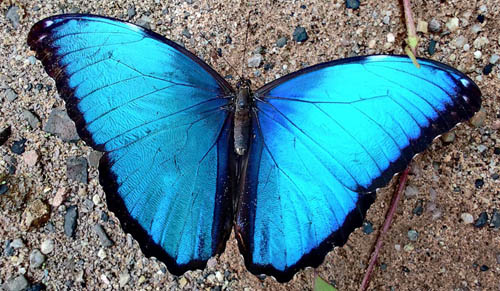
point(387, 223)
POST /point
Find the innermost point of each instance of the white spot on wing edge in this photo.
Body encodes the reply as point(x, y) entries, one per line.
point(48, 23)
point(465, 82)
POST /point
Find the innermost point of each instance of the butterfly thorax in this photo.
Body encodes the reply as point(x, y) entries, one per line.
point(242, 120)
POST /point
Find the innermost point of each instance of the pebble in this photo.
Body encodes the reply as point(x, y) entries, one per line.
point(498, 258)
point(123, 279)
point(255, 61)
point(13, 16)
point(3, 189)
point(36, 259)
point(47, 246)
point(35, 215)
point(422, 26)
point(61, 125)
point(182, 282)
point(467, 218)
point(30, 158)
point(481, 148)
point(17, 243)
point(131, 12)
point(281, 42)
point(144, 21)
point(18, 283)
point(31, 118)
point(477, 55)
point(411, 191)
point(434, 25)
point(103, 236)
point(478, 119)
point(36, 287)
point(412, 235)
point(482, 220)
point(4, 134)
point(219, 276)
point(431, 49)
point(101, 254)
point(476, 28)
point(10, 94)
point(479, 183)
point(59, 197)
point(300, 34)
point(448, 137)
point(70, 219)
point(480, 42)
point(76, 169)
point(495, 219)
point(105, 279)
point(452, 24)
point(94, 158)
point(487, 69)
point(18, 146)
point(352, 4)
point(494, 59)
point(186, 33)
point(386, 19)
point(367, 227)
point(8, 249)
point(484, 268)
point(419, 209)
point(390, 37)
point(104, 216)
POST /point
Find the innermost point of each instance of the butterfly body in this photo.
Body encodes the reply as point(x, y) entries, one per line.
point(293, 166)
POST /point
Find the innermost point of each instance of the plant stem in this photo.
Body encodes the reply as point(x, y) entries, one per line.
point(387, 223)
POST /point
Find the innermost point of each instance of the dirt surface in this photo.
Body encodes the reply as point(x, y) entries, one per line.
point(451, 181)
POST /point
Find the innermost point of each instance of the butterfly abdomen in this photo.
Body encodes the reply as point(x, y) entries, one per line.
point(242, 121)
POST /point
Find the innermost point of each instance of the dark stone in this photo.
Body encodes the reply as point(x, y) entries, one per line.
point(219, 52)
point(480, 18)
point(479, 183)
point(432, 47)
point(186, 33)
point(496, 151)
point(70, 219)
point(8, 249)
point(3, 189)
point(495, 176)
point(406, 270)
point(268, 66)
point(4, 135)
point(303, 6)
point(495, 219)
point(352, 4)
point(487, 69)
point(36, 287)
point(367, 227)
point(131, 12)
point(103, 236)
point(229, 40)
point(76, 169)
point(383, 266)
point(39, 86)
point(300, 34)
point(419, 209)
point(61, 125)
point(18, 146)
point(482, 220)
point(484, 268)
point(104, 216)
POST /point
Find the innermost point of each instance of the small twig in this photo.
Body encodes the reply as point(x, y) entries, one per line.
point(387, 223)
point(412, 39)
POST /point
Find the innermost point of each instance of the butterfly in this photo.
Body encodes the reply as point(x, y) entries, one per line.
point(292, 167)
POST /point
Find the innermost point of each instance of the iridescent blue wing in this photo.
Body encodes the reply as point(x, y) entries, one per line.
point(325, 138)
point(155, 109)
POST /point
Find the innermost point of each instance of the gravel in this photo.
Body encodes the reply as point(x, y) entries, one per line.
point(76, 169)
point(36, 259)
point(103, 236)
point(482, 220)
point(61, 125)
point(300, 34)
point(70, 220)
point(47, 246)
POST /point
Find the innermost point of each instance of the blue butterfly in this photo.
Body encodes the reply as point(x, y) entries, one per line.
point(293, 166)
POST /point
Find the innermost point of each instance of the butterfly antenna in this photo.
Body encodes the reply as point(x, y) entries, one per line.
point(245, 44)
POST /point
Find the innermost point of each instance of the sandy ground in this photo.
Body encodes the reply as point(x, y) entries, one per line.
point(449, 253)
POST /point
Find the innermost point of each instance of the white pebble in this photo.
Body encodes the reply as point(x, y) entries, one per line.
point(47, 246)
point(494, 59)
point(467, 218)
point(466, 47)
point(391, 37)
point(480, 42)
point(96, 199)
point(101, 254)
point(452, 24)
point(477, 54)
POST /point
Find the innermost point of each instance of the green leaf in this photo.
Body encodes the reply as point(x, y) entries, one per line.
point(322, 285)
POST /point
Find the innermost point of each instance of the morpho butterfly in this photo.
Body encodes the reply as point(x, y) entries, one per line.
point(293, 166)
